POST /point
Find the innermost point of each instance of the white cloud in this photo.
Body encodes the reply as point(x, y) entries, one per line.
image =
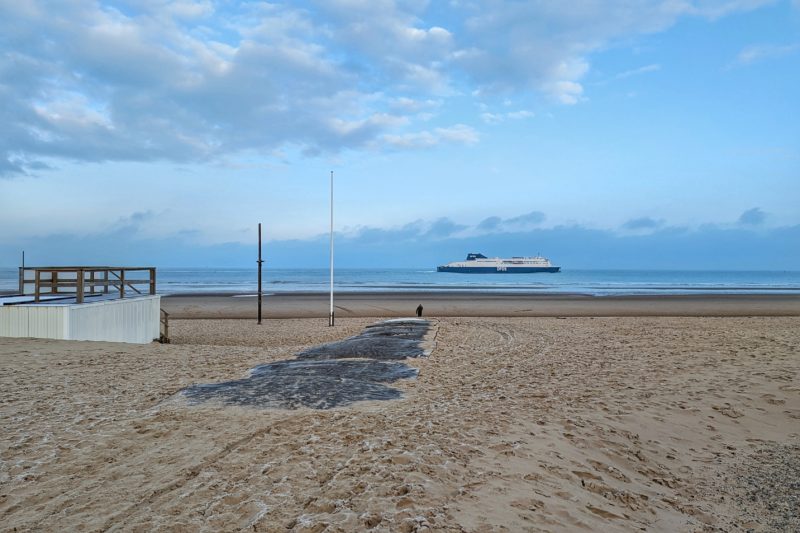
point(492, 118)
point(189, 9)
point(754, 53)
point(566, 92)
point(545, 46)
point(457, 134)
point(714, 9)
point(197, 80)
point(497, 118)
point(411, 105)
point(636, 71)
point(521, 114)
point(92, 83)
point(391, 35)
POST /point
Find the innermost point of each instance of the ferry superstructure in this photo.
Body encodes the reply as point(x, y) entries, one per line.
point(480, 264)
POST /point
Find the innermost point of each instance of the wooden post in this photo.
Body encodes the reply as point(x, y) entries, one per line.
point(54, 281)
point(79, 286)
point(165, 321)
point(22, 275)
point(259, 273)
point(122, 283)
point(152, 281)
point(36, 289)
point(105, 280)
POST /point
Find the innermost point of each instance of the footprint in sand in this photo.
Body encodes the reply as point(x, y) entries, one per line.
point(771, 399)
point(610, 470)
point(586, 475)
point(603, 513)
point(529, 504)
point(404, 502)
point(727, 410)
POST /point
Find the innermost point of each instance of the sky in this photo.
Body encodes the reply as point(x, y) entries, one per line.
point(601, 134)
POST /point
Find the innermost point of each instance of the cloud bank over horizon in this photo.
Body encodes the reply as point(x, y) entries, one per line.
point(425, 244)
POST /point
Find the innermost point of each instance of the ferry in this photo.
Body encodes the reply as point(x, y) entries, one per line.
point(480, 264)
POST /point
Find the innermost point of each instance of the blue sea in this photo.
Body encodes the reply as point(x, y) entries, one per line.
point(593, 282)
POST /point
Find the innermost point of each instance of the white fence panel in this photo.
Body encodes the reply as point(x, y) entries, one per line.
point(43, 322)
point(135, 320)
point(13, 322)
point(47, 322)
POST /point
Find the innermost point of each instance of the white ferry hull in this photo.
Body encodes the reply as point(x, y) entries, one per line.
point(480, 264)
point(500, 269)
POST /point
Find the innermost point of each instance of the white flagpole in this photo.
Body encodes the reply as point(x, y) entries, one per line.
point(330, 320)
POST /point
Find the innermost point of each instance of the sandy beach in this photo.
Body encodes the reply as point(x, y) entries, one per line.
point(486, 304)
point(513, 424)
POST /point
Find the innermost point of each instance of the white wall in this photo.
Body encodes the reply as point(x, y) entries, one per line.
point(135, 320)
point(127, 320)
point(45, 322)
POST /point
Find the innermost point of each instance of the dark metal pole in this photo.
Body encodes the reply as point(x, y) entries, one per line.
point(259, 273)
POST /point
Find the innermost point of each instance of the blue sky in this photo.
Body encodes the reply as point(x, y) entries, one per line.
point(618, 134)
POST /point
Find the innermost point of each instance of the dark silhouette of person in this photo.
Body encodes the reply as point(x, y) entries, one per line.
point(419, 310)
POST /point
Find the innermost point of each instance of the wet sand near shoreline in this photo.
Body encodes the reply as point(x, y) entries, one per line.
point(512, 424)
point(451, 304)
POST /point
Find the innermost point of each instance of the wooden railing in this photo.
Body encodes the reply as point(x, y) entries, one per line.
point(81, 281)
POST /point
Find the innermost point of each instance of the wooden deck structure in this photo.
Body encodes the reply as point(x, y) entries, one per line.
point(99, 303)
point(79, 281)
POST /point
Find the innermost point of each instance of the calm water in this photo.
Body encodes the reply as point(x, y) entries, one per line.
point(597, 282)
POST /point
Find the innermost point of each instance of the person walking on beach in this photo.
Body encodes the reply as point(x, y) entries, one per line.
point(419, 310)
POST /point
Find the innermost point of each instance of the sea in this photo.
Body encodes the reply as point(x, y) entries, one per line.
point(590, 282)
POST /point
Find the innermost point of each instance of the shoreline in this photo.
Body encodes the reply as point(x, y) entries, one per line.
point(475, 304)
